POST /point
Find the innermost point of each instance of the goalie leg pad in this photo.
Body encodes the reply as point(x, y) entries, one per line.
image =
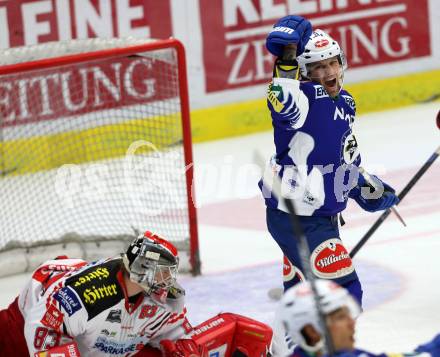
point(252, 338)
point(216, 334)
point(230, 334)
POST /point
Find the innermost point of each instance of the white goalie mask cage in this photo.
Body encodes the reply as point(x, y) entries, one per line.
point(297, 309)
point(152, 262)
point(321, 46)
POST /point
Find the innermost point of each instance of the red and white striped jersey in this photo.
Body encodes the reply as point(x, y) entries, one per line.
point(71, 299)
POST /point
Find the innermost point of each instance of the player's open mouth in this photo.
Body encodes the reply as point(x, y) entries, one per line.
point(331, 83)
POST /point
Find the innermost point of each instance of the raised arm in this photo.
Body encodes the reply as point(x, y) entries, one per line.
point(287, 103)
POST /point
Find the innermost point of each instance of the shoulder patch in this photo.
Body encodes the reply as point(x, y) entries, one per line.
point(275, 96)
point(97, 287)
point(68, 300)
point(114, 316)
point(350, 101)
point(320, 92)
point(53, 318)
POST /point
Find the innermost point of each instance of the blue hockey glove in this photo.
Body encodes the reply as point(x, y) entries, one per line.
point(386, 200)
point(289, 29)
point(432, 347)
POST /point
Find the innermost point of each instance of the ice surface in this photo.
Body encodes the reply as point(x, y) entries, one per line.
point(399, 266)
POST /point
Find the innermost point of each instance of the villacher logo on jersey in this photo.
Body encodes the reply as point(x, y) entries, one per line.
point(331, 260)
point(291, 271)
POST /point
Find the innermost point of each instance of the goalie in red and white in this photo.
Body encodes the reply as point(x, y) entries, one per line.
point(123, 306)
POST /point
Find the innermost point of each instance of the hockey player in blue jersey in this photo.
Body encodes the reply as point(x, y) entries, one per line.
point(297, 313)
point(317, 155)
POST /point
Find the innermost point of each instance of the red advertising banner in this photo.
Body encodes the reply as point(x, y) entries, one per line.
point(370, 32)
point(71, 90)
point(27, 22)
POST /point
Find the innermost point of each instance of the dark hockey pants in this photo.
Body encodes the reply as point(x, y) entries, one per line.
point(317, 230)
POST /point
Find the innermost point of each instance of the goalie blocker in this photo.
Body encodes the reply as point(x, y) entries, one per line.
point(224, 335)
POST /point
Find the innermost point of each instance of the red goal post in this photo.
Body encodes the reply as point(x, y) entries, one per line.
point(95, 147)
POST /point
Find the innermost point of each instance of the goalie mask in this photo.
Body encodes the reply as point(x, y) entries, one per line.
point(297, 309)
point(152, 263)
point(316, 63)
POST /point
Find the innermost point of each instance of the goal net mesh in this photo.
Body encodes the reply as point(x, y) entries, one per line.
point(92, 147)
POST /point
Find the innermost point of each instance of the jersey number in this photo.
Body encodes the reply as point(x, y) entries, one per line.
point(45, 338)
point(147, 311)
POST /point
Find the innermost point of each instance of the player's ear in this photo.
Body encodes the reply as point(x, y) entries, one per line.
point(311, 336)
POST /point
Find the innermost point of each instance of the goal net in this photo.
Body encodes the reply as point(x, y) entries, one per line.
point(95, 148)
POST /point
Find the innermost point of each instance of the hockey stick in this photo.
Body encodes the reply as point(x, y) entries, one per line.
point(401, 196)
point(372, 184)
point(274, 181)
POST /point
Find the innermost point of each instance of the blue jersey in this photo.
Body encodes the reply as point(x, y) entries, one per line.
point(315, 147)
point(299, 352)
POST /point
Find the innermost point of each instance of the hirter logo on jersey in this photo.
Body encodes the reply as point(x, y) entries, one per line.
point(331, 260)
